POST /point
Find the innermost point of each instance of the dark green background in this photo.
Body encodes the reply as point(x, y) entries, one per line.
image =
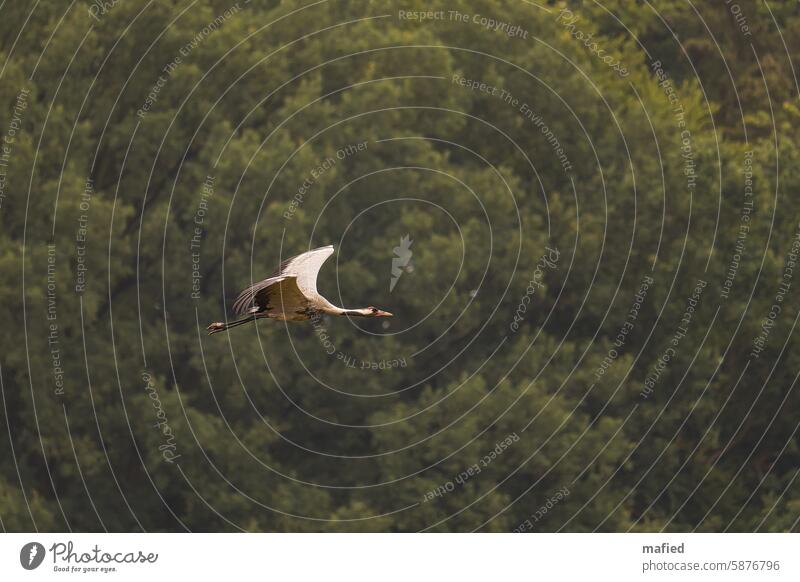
point(274, 433)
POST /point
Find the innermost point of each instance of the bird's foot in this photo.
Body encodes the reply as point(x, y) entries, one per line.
point(215, 327)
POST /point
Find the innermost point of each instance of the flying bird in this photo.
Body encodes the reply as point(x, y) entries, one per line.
point(290, 294)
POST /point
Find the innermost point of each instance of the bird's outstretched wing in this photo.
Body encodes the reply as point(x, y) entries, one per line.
point(292, 284)
point(280, 294)
point(305, 267)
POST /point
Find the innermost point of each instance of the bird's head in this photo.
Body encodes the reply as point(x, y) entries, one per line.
point(373, 312)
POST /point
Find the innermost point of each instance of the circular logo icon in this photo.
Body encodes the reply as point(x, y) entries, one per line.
point(31, 555)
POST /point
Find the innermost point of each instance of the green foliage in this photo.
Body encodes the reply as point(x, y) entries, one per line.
point(160, 427)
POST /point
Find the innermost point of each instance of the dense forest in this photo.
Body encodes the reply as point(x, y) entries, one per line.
point(583, 215)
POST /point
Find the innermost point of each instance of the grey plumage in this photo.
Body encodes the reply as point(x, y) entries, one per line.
point(290, 294)
point(291, 291)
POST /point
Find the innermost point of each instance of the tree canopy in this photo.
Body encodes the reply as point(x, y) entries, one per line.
point(584, 217)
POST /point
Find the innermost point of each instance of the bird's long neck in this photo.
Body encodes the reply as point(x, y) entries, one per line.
point(334, 310)
point(356, 312)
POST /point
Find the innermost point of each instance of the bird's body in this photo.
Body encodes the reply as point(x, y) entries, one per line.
point(290, 294)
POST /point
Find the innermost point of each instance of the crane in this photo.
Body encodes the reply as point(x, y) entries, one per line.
point(290, 294)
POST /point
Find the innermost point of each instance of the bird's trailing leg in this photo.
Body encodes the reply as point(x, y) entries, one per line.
point(220, 326)
point(215, 327)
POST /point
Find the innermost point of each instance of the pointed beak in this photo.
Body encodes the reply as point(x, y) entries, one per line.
point(384, 314)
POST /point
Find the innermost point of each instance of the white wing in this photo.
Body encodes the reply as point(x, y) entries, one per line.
point(289, 289)
point(306, 267)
